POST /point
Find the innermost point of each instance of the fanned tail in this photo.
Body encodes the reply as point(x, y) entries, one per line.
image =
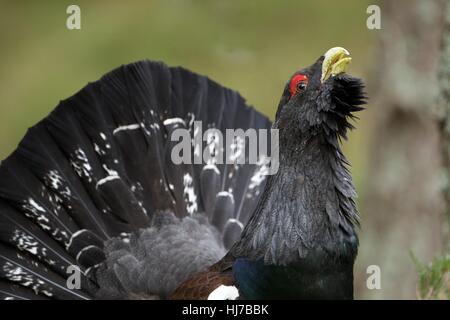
point(99, 168)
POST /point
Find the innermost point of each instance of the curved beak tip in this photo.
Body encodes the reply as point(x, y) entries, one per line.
point(335, 62)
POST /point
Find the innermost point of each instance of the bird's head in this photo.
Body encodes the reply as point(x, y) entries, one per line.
point(321, 96)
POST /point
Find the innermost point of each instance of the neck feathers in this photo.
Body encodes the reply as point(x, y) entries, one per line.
point(307, 208)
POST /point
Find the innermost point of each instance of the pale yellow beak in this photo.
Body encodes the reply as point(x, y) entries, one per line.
point(335, 62)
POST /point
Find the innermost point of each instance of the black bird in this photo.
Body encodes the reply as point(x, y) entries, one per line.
point(91, 193)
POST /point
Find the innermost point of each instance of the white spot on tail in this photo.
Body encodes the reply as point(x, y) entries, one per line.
point(134, 126)
point(237, 222)
point(112, 175)
point(35, 205)
point(56, 182)
point(107, 179)
point(55, 179)
point(224, 293)
point(260, 174)
point(74, 235)
point(81, 165)
point(189, 194)
point(212, 167)
point(26, 242)
point(173, 121)
point(226, 194)
point(237, 148)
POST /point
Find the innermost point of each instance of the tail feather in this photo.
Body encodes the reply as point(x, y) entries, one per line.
point(99, 167)
point(58, 178)
point(210, 186)
point(27, 194)
point(179, 176)
point(24, 270)
point(20, 232)
point(92, 155)
point(10, 291)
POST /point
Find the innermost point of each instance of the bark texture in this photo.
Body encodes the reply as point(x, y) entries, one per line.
point(403, 208)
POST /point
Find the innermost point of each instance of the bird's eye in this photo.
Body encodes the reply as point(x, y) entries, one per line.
point(301, 86)
point(298, 84)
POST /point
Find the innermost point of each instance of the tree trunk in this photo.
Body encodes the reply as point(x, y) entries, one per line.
point(403, 208)
point(444, 117)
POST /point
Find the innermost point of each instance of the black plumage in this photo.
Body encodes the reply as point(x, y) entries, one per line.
point(94, 179)
point(93, 185)
point(301, 242)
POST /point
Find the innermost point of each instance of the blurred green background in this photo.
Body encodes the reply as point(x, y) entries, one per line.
point(250, 46)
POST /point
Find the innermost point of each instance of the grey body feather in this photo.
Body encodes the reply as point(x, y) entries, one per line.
point(157, 259)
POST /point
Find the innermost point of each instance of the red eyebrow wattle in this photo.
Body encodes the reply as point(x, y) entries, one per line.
point(294, 82)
